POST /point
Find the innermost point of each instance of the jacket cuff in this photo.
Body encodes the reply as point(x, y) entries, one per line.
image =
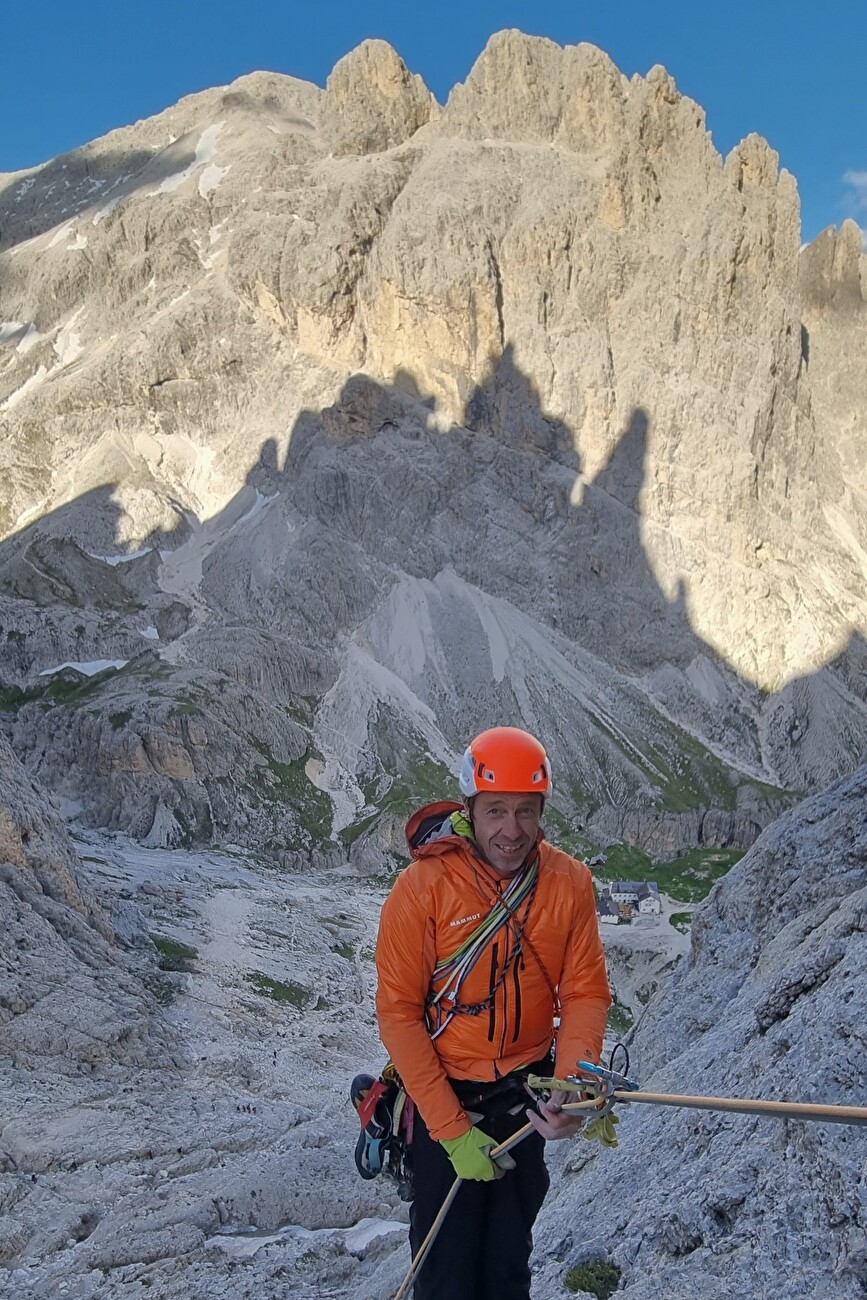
point(456, 1129)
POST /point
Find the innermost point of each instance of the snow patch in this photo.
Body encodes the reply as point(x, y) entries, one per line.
point(27, 387)
point(121, 559)
point(89, 669)
point(210, 178)
point(107, 209)
point(257, 507)
point(30, 339)
point(79, 242)
point(9, 328)
point(204, 157)
point(67, 345)
point(60, 233)
point(150, 633)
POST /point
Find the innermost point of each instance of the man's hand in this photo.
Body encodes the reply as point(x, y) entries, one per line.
point(470, 1155)
point(551, 1122)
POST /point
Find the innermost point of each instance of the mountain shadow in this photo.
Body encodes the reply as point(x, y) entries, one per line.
point(67, 186)
point(374, 496)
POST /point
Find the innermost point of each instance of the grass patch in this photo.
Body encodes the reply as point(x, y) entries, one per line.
point(280, 990)
point(685, 772)
point(421, 778)
point(350, 834)
point(120, 719)
point(186, 706)
point(64, 687)
point(174, 956)
point(71, 690)
point(345, 950)
point(293, 787)
point(597, 1277)
point(620, 1019)
point(688, 879)
point(379, 880)
point(12, 697)
point(681, 921)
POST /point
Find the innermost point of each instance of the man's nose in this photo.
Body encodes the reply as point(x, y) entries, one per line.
point(512, 828)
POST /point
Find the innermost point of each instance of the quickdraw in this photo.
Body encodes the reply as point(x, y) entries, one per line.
point(592, 1081)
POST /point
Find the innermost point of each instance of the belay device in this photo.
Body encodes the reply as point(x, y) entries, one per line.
point(387, 1115)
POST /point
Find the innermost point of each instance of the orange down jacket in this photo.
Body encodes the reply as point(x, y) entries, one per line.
point(433, 904)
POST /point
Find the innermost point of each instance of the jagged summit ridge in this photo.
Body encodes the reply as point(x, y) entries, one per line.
point(542, 338)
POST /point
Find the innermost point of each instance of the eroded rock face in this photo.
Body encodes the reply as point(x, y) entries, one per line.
point(67, 993)
point(527, 407)
point(771, 1004)
point(372, 102)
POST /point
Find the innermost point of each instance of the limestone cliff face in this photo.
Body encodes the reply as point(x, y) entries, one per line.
point(770, 1004)
point(406, 417)
point(69, 999)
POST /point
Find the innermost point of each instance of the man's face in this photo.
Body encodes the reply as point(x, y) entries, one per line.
point(506, 827)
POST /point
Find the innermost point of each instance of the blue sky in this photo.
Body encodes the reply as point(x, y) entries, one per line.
point(793, 71)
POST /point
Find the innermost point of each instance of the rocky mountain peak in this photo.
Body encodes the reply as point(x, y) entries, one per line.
point(372, 102)
point(294, 379)
point(831, 270)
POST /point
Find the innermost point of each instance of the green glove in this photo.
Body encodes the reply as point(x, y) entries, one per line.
point(602, 1129)
point(470, 1157)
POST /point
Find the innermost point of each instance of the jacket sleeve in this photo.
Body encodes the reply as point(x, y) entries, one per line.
point(584, 993)
point(405, 959)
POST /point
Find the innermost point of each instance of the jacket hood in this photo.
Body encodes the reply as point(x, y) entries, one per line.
point(443, 825)
point(437, 826)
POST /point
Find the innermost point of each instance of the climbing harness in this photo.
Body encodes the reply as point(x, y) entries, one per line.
point(387, 1116)
point(385, 1111)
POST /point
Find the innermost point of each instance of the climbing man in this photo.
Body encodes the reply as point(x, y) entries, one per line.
point(486, 936)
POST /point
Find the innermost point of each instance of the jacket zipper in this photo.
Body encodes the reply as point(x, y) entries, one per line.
point(505, 1003)
point(518, 964)
point(492, 1014)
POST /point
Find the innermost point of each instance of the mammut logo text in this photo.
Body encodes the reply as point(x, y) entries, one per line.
point(475, 916)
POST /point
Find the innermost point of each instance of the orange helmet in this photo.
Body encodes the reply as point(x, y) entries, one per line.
point(505, 759)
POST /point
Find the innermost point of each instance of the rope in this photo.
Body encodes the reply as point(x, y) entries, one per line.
point(428, 1242)
point(454, 969)
point(425, 1247)
point(819, 1114)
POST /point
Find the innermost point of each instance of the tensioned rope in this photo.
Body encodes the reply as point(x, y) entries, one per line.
point(781, 1109)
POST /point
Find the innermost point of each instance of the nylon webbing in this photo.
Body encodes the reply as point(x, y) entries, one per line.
point(454, 969)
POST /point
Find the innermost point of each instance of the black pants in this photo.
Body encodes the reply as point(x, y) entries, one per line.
point(482, 1250)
